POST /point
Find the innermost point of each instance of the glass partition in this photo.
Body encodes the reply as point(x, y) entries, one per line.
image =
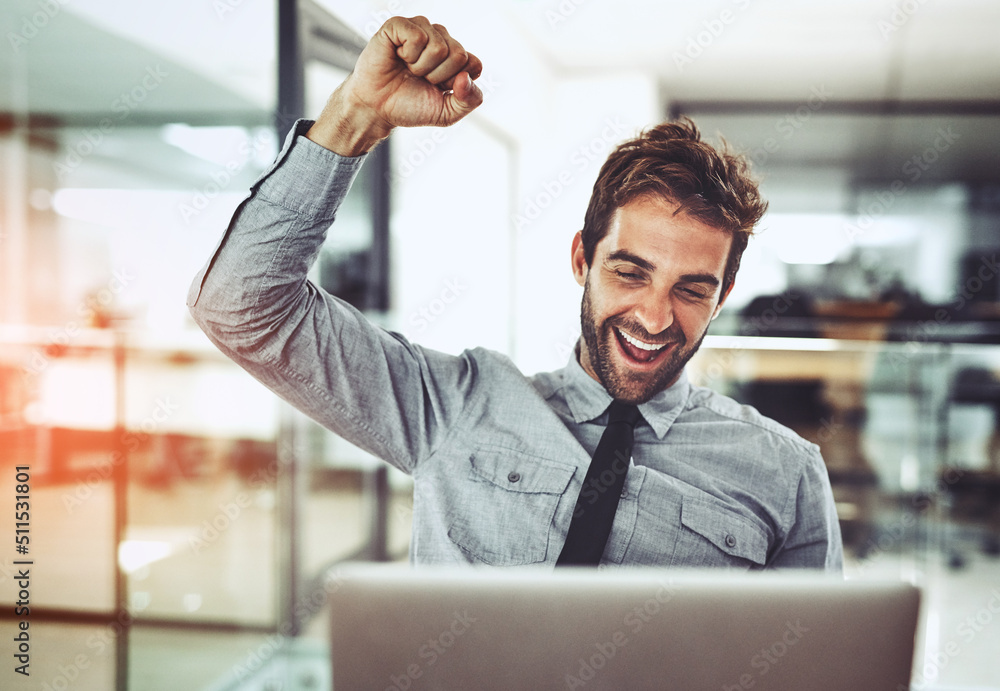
point(909, 433)
point(128, 134)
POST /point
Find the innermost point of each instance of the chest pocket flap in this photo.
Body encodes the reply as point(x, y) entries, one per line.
point(732, 533)
point(516, 472)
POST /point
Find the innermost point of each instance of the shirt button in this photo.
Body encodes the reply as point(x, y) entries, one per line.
point(730, 540)
point(513, 476)
point(624, 494)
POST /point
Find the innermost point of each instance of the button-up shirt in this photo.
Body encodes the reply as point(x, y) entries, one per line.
point(498, 458)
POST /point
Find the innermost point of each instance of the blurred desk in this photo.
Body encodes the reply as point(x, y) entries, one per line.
point(784, 358)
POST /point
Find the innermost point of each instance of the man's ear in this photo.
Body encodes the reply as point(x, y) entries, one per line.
point(722, 300)
point(579, 259)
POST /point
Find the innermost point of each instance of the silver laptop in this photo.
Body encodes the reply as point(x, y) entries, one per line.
point(400, 629)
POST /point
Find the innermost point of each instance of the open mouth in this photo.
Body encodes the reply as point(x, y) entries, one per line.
point(637, 351)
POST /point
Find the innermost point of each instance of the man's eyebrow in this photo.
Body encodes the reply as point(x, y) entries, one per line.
point(710, 279)
point(625, 255)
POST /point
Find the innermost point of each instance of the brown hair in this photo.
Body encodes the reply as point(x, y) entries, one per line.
point(671, 161)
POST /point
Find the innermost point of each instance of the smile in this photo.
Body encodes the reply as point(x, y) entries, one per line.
point(637, 343)
point(637, 352)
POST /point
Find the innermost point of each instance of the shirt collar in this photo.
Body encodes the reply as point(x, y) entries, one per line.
point(588, 399)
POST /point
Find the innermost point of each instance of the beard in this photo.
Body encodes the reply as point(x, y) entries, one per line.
point(622, 383)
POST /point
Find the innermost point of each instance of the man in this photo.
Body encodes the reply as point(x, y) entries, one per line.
point(502, 463)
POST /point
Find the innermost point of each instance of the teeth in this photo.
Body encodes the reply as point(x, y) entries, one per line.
point(639, 344)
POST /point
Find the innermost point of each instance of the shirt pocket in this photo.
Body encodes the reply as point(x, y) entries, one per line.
point(714, 534)
point(508, 510)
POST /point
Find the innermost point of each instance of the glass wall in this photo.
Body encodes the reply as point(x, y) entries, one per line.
point(127, 137)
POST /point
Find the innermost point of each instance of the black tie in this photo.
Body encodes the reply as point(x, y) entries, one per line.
point(602, 488)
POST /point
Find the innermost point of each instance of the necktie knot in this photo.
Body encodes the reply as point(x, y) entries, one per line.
point(619, 411)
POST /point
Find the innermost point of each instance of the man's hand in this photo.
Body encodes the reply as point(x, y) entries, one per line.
point(412, 73)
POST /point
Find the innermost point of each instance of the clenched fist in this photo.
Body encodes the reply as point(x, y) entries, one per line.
point(412, 73)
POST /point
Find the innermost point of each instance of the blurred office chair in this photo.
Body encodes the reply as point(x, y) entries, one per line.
point(974, 493)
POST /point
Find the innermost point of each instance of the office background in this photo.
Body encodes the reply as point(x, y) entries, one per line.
point(184, 522)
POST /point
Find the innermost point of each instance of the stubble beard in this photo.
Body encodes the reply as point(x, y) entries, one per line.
point(630, 387)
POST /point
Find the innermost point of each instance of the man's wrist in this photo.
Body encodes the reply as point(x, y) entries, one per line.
point(347, 129)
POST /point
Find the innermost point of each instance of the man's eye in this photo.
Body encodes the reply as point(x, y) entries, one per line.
point(693, 293)
point(627, 276)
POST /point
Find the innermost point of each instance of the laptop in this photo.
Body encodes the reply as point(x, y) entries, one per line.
point(402, 629)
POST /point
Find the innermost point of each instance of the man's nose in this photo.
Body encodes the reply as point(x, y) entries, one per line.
point(655, 313)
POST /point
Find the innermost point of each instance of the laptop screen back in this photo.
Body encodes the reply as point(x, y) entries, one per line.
point(399, 629)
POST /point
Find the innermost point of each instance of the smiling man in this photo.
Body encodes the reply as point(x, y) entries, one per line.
point(614, 459)
point(657, 279)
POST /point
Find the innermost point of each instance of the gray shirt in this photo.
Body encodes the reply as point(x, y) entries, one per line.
point(498, 458)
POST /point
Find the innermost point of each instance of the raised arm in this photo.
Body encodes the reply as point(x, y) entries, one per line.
point(253, 299)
